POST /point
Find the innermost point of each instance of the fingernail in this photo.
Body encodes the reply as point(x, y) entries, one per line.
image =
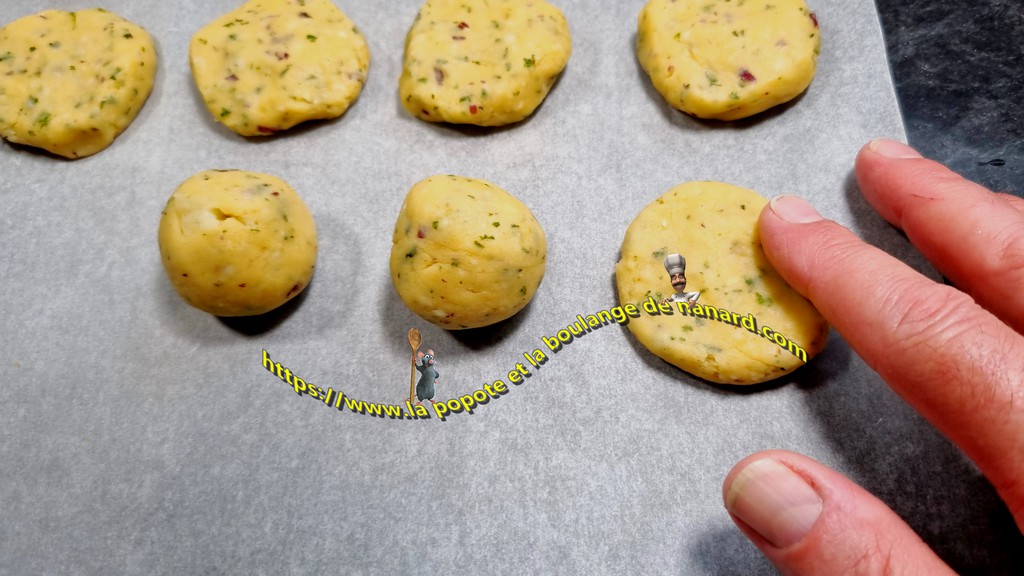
point(892, 149)
point(775, 501)
point(794, 209)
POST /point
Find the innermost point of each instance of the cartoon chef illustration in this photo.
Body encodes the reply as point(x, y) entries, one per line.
point(675, 264)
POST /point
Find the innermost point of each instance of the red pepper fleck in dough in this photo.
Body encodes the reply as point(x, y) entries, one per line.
point(439, 76)
point(814, 18)
point(473, 109)
point(463, 25)
point(746, 76)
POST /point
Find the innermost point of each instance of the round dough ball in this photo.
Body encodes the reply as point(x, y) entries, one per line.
point(237, 243)
point(747, 325)
point(73, 81)
point(728, 59)
point(466, 253)
point(484, 63)
point(272, 64)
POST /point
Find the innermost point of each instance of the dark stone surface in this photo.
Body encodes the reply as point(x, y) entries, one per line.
point(958, 68)
point(958, 72)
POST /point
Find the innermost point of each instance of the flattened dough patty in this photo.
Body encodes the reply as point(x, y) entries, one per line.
point(73, 81)
point(728, 59)
point(237, 243)
point(272, 64)
point(483, 63)
point(466, 253)
point(714, 227)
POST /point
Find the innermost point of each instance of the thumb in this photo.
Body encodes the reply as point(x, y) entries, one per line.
point(809, 519)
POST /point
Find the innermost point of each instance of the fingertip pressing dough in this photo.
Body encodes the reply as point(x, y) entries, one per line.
point(465, 253)
point(483, 63)
point(73, 81)
point(713, 226)
point(272, 64)
point(728, 59)
point(237, 243)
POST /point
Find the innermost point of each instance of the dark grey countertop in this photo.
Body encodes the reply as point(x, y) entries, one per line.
point(957, 70)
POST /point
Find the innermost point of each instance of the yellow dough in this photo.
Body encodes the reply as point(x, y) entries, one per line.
point(728, 59)
point(484, 63)
point(747, 326)
point(272, 64)
point(73, 81)
point(237, 243)
point(466, 253)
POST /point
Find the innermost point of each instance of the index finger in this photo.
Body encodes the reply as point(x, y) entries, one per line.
point(955, 362)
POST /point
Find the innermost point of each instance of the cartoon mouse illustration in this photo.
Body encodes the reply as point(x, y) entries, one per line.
point(428, 376)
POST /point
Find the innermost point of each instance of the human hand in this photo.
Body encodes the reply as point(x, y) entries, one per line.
point(955, 355)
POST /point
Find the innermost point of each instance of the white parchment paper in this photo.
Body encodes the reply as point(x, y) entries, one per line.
point(142, 436)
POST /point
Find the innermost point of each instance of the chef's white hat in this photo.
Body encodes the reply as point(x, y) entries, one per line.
point(675, 264)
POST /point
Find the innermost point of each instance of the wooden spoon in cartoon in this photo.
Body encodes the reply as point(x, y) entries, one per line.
point(414, 342)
